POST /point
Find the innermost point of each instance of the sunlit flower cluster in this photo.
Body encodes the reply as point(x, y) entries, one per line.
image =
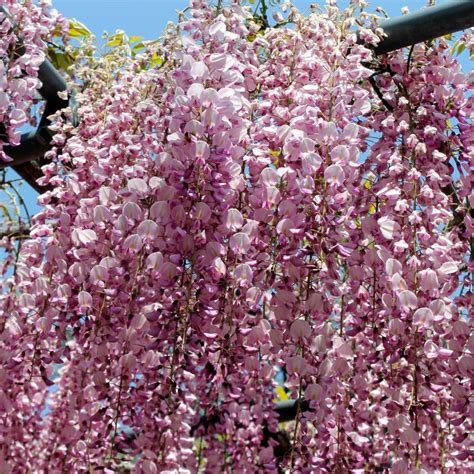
point(260, 208)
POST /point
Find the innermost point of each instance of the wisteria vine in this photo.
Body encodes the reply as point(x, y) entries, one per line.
point(241, 202)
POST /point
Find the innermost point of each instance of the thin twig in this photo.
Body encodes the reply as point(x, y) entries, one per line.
point(410, 54)
point(379, 93)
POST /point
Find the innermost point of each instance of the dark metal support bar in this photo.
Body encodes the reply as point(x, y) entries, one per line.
point(52, 83)
point(426, 24)
point(286, 411)
point(28, 156)
point(32, 147)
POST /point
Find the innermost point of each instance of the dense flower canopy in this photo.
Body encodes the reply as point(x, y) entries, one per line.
point(256, 202)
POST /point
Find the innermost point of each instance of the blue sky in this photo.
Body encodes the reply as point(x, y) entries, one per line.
point(148, 18)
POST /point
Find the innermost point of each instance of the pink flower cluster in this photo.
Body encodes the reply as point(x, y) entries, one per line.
point(251, 207)
point(24, 27)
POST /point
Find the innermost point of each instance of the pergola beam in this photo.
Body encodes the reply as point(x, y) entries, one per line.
point(426, 24)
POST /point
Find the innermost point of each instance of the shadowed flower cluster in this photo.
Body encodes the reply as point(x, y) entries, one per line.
point(247, 208)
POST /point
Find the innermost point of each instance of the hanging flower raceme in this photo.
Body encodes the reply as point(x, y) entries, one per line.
point(244, 214)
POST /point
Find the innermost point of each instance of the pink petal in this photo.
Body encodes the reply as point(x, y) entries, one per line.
point(243, 274)
point(310, 163)
point(361, 106)
point(149, 467)
point(202, 150)
point(128, 361)
point(217, 30)
point(202, 212)
point(132, 210)
point(147, 230)
point(423, 316)
point(83, 236)
point(98, 275)
point(133, 243)
point(393, 267)
point(431, 350)
point(195, 90)
point(300, 329)
point(396, 327)
point(410, 436)
point(85, 300)
point(448, 268)
point(428, 279)
point(169, 270)
point(160, 212)
point(101, 214)
point(234, 219)
point(408, 298)
point(296, 365)
point(388, 227)
point(138, 185)
point(199, 71)
point(445, 354)
point(17, 118)
point(269, 177)
point(240, 243)
point(340, 154)
point(154, 261)
point(313, 392)
point(334, 174)
point(218, 267)
point(107, 195)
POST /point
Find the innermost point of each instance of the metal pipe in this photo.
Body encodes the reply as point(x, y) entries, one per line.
point(52, 83)
point(32, 147)
point(426, 24)
point(287, 410)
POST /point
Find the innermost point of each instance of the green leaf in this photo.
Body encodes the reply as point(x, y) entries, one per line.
point(137, 47)
point(134, 39)
point(60, 60)
point(118, 39)
point(281, 394)
point(114, 43)
point(78, 30)
point(156, 60)
point(461, 47)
